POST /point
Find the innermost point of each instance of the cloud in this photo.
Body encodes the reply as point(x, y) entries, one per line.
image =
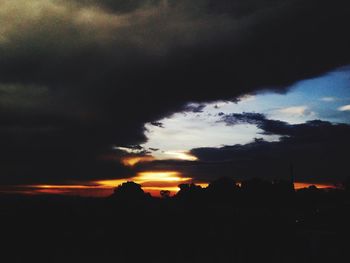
point(153, 149)
point(294, 111)
point(293, 114)
point(19, 97)
point(157, 124)
point(246, 98)
point(258, 119)
point(193, 107)
point(344, 108)
point(328, 99)
point(81, 76)
point(182, 155)
point(317, 150)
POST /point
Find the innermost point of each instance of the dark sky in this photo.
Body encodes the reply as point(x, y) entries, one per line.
point(78, 77)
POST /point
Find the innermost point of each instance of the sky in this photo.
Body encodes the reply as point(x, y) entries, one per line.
point(323, 98)
point(194, 89)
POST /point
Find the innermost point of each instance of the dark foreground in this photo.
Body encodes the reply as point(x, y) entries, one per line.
point(222, 225)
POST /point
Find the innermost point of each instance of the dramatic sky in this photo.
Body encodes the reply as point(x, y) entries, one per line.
point(96, 92)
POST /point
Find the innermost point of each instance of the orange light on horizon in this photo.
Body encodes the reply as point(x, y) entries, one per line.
point(155, 191)
point(151, 181)
point(146, 177)
point(203, 185)
point(44, 186)
point(76, 189)
point(300, 185)
point(160, 176)
point(112, 183)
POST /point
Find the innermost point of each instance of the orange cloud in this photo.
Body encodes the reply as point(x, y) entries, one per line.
point(306, 185)
point(131, 161)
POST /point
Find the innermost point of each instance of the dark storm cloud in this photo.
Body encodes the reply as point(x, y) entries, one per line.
point(317, 149)
point(154, 149)
point(258, 119)
point(315, 130)
point(88, 74)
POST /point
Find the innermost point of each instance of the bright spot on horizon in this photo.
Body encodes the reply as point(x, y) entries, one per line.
point(151, 181)
point(160, 176)
point(146, 177)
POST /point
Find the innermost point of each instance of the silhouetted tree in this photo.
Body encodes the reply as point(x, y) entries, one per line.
point(222, 188)
point(165, 193)
point(189, 191)
point(257, 190)
point(130, 191)
point(283, 187)
point(256, 186)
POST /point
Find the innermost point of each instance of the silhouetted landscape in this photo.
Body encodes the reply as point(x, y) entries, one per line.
point(174, 131)
point(258, 221)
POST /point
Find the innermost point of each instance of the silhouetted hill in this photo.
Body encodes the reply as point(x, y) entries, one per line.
point(257, 222)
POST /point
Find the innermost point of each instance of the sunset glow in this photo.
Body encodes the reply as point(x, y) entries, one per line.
point(306, 185)
point(160, 176)
point(151, 182)
point(131, 161)
point(61, 186)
